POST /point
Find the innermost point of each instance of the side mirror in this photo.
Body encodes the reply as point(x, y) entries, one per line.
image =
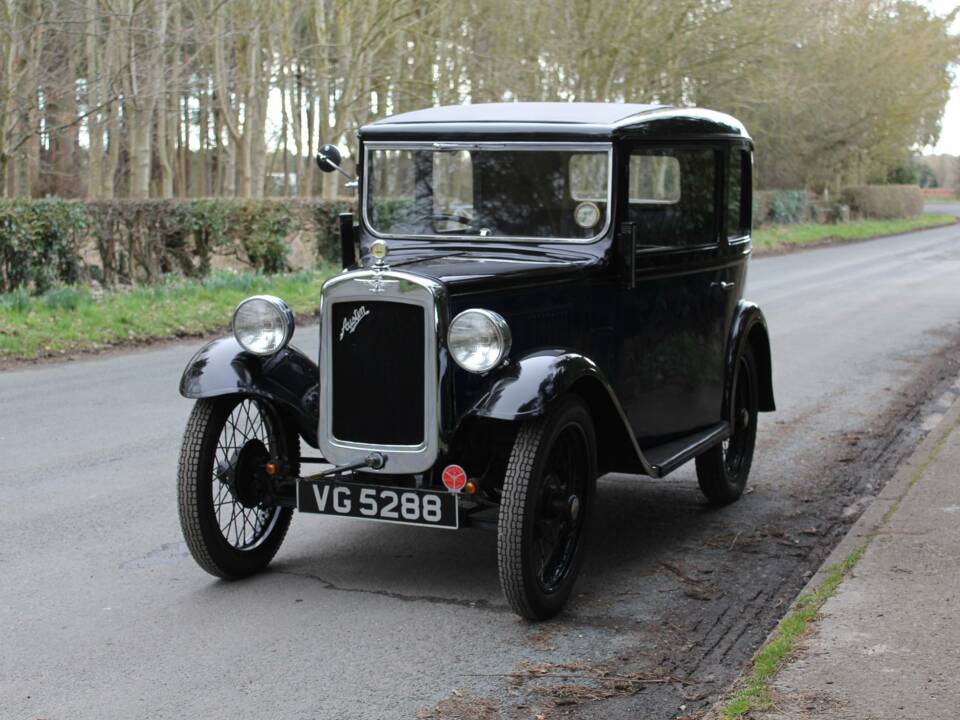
point(329, 159)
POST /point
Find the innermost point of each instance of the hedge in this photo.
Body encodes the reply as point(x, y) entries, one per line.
point(883, 201)
point(780, 207)
point(49, 242)
point(40, 243)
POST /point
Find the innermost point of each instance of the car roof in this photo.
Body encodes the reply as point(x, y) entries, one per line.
point(553, 121)
point(577, 113)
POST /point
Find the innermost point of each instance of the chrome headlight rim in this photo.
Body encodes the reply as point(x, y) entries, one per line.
point(284, 315)
point(502, 329)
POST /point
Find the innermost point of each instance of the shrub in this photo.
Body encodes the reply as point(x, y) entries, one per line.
point(325, 217)
point(64, 298)
point(259, 228)
point(144, 241)
point(883, 201)
point(40, 243)
point(781, 207)
point(17, 301)
point(141, 240)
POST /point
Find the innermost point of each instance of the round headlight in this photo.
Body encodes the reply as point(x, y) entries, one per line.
point(478, 340)
point(262, 324)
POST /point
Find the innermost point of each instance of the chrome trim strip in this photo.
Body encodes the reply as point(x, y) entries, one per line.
point(490, 146)
point(401, 287)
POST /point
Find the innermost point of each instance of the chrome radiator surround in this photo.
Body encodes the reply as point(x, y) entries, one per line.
point(383, 286)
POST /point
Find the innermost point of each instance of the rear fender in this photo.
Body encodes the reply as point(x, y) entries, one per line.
point(750, 328)
point(289, 380)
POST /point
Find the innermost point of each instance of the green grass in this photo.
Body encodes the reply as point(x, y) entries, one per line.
point(754, 693)
point(780, 236)
point(68, 319)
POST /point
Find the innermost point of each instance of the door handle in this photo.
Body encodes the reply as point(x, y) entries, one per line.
point(722, 285)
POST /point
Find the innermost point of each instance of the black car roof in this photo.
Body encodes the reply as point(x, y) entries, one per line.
point(554, 121)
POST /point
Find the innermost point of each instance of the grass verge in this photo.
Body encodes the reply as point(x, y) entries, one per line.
point(69, 319)
point(788, 236)
point(755, 691)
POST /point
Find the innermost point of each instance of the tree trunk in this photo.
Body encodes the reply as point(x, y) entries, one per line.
point(140, 151)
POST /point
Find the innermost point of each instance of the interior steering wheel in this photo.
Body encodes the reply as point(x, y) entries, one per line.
point(448, 217)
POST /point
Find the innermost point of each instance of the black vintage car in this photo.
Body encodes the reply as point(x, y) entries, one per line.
point(535, 294)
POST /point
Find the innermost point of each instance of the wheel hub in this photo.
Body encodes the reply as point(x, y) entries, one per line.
point(249, 482)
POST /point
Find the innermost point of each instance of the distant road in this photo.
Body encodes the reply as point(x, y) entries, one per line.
point(104, 615)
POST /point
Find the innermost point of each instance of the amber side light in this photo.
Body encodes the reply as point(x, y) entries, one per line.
point(270, 469)
point(470, 488)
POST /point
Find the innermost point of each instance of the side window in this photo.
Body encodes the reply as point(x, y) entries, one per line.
point(672, 196)
point(738, 194)
point(654, 180)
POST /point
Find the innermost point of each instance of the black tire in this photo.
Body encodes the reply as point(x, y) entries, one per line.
point(537, 497)
point(205, 499)
point(722, 470)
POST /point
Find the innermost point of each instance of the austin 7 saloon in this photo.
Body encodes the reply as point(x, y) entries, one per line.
point(532, 296)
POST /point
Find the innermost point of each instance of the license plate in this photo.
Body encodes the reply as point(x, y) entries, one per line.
point(373, 502)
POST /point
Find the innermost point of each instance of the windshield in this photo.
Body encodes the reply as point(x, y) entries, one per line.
point(490, 190)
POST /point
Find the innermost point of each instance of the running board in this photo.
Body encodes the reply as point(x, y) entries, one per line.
point(668, 457)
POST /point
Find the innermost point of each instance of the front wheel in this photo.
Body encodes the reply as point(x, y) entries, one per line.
point(547, 498)
point(722, 470)
point(229, 523)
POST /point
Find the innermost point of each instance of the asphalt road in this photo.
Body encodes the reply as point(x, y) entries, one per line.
point(104, 615)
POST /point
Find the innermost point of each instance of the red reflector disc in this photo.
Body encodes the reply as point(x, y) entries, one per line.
point(454, 478)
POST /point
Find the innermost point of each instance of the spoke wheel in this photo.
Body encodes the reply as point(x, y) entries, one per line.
point(239, 483)
point(546, 502)
point(722, 471)
point(229, 521)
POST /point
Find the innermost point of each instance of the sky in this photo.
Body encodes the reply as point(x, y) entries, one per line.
point(950, 125)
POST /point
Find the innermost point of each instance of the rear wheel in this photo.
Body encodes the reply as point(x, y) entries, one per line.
point(547, 499)
point(722, 470)
point(229, 522)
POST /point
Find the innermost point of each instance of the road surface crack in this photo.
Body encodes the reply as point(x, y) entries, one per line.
point(433, 599)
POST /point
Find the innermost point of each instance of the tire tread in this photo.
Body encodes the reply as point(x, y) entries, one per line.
point(512, 511)
point(202, 421)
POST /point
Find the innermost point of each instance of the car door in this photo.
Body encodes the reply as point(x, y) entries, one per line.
point(673, 318)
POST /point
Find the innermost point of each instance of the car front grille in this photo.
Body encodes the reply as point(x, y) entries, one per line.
point(380, 369)
point(377, 365)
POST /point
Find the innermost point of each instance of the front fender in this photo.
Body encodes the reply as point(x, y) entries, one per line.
point(289, 379)
point(527, 387)
point(750, 326)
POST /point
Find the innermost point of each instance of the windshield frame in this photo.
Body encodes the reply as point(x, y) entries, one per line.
point(488, 146)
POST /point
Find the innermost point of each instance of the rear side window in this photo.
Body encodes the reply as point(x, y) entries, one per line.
point(738, 194)
point(654, 179)
point(672, 196)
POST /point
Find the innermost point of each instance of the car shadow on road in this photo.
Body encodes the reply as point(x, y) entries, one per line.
point(636, 521)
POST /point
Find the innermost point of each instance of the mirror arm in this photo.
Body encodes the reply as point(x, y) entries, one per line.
point(340, 170)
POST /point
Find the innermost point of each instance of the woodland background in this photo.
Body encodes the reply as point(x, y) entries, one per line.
point(139, 99)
